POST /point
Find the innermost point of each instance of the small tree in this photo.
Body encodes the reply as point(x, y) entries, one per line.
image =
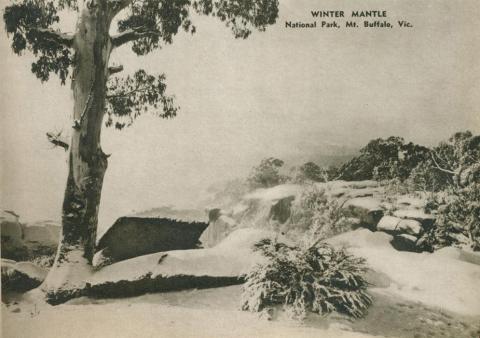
point(266, 174)
point(100, 96)
point(312, 172)
point(384, 159)
point(457, 158)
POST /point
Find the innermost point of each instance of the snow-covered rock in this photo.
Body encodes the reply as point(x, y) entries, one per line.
point(388, 224)
point(410, 227)
point(135, 236)
point(275, 193)
point(364, 202)
point(405, 242)
point(224, 264)
point(425, 219)
point(217, 230)
point(367, 209)
point(21, 276)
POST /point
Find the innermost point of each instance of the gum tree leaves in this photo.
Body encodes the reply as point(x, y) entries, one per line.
point(29, 24)
point(153, 22)
point(242, 16)
point(129, 97)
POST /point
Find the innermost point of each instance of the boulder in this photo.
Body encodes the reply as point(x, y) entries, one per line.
point(426, 220)
point(13, 246)
point(282, 210)
point(388, 224)
point(220, 227)
point(366, 209)
point(135, 236)
point(404, 242)
point(21, 276)
point(410, 227)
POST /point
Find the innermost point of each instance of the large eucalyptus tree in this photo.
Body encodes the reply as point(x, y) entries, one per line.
point(103, 98)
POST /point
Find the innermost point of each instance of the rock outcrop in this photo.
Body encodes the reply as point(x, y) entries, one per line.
point(21, 276)
point(365, 204)
point(225, 264)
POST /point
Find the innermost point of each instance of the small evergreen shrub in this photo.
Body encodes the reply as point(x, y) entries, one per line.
point(317, 278)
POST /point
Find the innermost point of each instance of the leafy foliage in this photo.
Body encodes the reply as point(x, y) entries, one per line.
point(129, 97)
point(384, 159)
point(158, 21)
point(316, 279)
point(242, 16)
point(266, 174)
point(312, 172)
point(424, 177)
point(28, 22)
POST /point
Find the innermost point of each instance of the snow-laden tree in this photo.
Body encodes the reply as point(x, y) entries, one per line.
point(101, 97)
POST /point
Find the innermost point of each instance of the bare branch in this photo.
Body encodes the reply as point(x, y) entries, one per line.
point(131, 35)
point(136, 90)
point(437, 166)
point(57, 140)
point(55, 36)
point(114, 69)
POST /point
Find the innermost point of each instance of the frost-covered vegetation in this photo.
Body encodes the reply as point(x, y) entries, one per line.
point(315, 278)
point(446, 175)
point(316, 216)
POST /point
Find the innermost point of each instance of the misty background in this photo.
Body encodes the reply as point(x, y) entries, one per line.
point(295, 94)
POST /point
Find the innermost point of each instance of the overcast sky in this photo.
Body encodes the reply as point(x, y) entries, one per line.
point(285, 93)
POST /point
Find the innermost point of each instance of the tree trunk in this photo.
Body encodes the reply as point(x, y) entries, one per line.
point(87, 163)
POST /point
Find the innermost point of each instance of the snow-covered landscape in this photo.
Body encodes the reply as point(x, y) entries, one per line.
point(240, 168)
point(415, 294)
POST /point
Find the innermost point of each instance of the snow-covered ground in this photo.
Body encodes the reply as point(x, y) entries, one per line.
point(448, 279)
point(415, 295)
point(201, 313)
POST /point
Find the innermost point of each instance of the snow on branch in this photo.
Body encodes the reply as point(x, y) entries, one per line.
point(437, 166)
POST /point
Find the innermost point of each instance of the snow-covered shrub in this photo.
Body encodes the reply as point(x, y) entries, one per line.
point(458, 219)
point(316, 216)
point(316, 278)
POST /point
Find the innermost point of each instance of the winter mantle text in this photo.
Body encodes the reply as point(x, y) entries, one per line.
point(355, 19)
